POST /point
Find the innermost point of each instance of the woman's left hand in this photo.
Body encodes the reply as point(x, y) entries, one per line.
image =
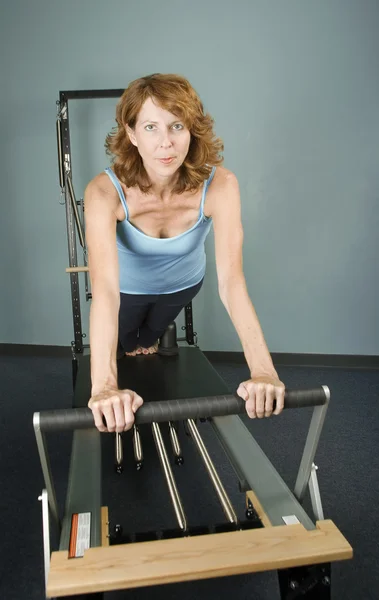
point(260, 392)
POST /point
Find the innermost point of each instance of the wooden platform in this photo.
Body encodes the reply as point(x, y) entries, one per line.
point(193, 558)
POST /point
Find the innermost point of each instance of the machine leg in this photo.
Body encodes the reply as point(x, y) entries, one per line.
point(310, 582)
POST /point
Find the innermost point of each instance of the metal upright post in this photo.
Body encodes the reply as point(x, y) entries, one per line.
point(189, 324)
point(46, 470)
point(70, 220)
point(310, 448)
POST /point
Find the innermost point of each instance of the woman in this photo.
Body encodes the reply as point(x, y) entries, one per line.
point(147, 219)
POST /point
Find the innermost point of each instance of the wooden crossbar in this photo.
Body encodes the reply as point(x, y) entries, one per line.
point(193, 558)
point(77, 270)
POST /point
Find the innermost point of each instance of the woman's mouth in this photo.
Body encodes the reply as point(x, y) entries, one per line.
point(166, 161)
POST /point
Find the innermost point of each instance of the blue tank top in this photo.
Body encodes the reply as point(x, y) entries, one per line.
point(149, 265)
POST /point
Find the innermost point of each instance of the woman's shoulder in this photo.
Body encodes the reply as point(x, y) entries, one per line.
point(101, 182)
point(223, 178)
point(102, 185)
point(222, 188)
point(100, 189)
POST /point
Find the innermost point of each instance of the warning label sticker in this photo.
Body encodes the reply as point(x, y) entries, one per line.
point(291, 520)
point(80, 534)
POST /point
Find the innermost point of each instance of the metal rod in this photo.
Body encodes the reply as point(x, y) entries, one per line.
point(169, 410)
point(76, 212)
point(90, 94)
point(46, 533)
point(175, 443)
point(46, 470)
point(220, 490)
point(314, 491)
point(119, 451)
point(85, 260)
point(310, 447)
point(60, 153)
point(178, 506)
point(137, 446)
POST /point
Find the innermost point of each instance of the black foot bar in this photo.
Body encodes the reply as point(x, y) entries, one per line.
point(178, 410)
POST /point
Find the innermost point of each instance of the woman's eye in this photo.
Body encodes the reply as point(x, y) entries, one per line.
point(177, 127)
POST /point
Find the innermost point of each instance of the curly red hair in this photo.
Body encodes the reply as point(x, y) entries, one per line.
point(176, 95)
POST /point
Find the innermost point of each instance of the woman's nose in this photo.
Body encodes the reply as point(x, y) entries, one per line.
point(166, 139)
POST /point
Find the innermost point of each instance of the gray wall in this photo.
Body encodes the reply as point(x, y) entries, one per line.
point(294, 89)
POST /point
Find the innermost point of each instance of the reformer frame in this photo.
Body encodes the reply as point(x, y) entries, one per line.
point(283, 536)
point(186, 388)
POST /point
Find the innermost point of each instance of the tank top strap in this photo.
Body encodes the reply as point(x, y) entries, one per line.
point(121, 194)
point(119, 189)
point(206, 185)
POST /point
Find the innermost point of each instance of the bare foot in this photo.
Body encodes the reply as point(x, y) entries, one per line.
point(131, 353)
point(152, 350)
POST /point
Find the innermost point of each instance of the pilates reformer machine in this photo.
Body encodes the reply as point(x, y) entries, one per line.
point(179, 386)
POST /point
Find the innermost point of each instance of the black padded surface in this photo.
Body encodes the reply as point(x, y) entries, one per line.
point(155, 377)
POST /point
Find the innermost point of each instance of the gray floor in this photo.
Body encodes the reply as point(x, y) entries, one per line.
point(348, 461)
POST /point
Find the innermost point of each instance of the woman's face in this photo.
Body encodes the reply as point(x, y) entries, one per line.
point(159, 134)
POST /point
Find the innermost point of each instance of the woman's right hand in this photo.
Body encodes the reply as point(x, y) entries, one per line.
point(118, 408)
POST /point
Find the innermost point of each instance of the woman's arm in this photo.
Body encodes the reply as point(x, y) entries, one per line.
point(228, 232)
point(107, 402)
point(103, 267)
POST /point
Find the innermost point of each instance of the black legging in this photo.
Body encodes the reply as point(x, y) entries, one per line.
point(144, 318)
